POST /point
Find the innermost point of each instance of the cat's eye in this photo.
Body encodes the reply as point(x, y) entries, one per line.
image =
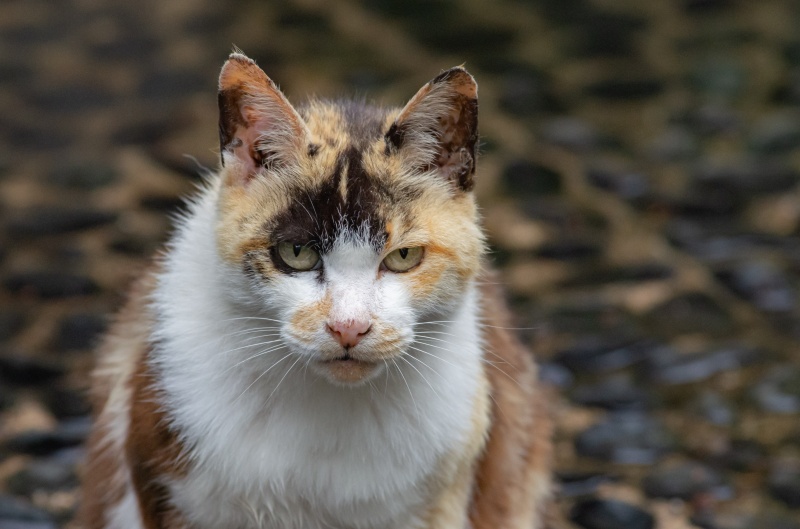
point(403, 259)
point(298, 256)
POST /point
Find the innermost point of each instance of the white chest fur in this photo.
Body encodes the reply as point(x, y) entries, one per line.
point(288, 449)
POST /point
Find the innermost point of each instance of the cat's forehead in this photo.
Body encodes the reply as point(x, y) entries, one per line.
point(346, 123)
point(350, 189)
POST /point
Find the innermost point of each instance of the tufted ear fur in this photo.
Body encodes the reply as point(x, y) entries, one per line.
point(258, 127)
point(439, 127)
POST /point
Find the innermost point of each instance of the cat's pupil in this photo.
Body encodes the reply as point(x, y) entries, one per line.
point(403, 252)
point(297, 248)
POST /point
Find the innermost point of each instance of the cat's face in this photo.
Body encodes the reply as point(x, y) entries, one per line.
point(353, 224)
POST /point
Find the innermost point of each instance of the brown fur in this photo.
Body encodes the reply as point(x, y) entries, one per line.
point(125, 345)
point(512, 482)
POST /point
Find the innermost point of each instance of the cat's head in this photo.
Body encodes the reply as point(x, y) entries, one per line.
point(352, 223)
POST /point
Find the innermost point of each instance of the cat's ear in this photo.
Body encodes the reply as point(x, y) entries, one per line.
point(439, 127)
point(258, 127)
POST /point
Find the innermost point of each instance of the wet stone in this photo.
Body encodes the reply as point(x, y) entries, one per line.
point(16, 510)
point(71, 98)
point(569, 249)
point(715, 118)
point(67, 434)
point(168, 203)
point(684, 480)
point(83, 176)
point(26, 136)
point(722, 78)
point(56, 220)
point(146, 132)
point(714, 408)
point(693, 312)
point(761, 283)
point(747, 176)
point(599, 354)
point(624, 274)
point(521, 178)
point(614, 393)
point(616, 89)
point(666, 366)
point(610, 514)
point(555, 375)
point(707, 6)
point(629, 437)
point(173, 83)
point(776, 134)
point(590, 320)
point(11, 322)
point(784, 482)
point(80, 331)
point(606, 34)
point(745, 455)
point(675, 144)
point(25, 370)
point(68, 403)
point(570, 133)
point(779, 391)
point(573, 484)
point(525, 92)
point(468, 39)
point(787, 93)
point(43, 475)
point(50, 285)
point(130, 45)
point(630, 185)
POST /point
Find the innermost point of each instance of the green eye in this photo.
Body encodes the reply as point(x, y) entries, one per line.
point(403, 259)
point(298, 256)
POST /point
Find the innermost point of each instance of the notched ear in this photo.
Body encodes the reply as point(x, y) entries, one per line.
point(258, 127)
point(439, 127)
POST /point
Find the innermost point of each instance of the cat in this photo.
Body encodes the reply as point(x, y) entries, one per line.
point(321, 344)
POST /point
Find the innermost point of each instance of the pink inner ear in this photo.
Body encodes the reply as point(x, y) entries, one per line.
point(244, 149)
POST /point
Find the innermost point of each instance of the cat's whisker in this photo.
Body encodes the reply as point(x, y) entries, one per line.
point(426, 365)
point(248, 346)
point(260, 353)
point(432, 338)
point(433, 345)
point(494, 365)
point(287, 355)
point(439, 322)
point(410, 393)
point(260, 318)
point(282, 379)
point(402, 357)
point(431, 354)
point(251, 331)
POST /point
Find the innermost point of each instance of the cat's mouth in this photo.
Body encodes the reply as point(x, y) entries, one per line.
point(346, 369)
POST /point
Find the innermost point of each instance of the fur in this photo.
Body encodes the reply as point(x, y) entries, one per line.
point(222, 399)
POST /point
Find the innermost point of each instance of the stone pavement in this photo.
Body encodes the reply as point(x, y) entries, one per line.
point(639, 180)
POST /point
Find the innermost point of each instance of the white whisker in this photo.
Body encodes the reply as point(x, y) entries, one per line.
point(261, 375)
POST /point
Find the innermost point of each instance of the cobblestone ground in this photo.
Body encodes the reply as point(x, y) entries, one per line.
point(639, 180)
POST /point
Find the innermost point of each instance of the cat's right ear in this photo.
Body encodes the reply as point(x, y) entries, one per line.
point(438, 129)
point(258, 127)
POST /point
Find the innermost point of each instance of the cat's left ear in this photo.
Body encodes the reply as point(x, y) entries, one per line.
point(258, 127)
point(438, 128)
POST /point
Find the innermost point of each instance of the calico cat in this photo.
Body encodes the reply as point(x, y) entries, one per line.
point(321, 344)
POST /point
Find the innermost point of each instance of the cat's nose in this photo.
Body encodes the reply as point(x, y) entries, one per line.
point(348, 333)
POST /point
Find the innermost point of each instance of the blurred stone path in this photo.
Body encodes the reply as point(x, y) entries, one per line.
point(639, 180)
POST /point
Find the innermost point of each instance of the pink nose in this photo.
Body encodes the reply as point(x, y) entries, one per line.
point(349, 333)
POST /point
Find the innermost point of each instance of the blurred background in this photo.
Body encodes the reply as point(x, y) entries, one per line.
point(639, 181)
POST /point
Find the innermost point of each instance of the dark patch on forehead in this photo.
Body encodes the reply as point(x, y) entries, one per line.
point(320, 216)
point(363, 122)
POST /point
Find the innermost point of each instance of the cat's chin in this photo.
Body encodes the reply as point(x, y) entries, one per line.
point(347, 371)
